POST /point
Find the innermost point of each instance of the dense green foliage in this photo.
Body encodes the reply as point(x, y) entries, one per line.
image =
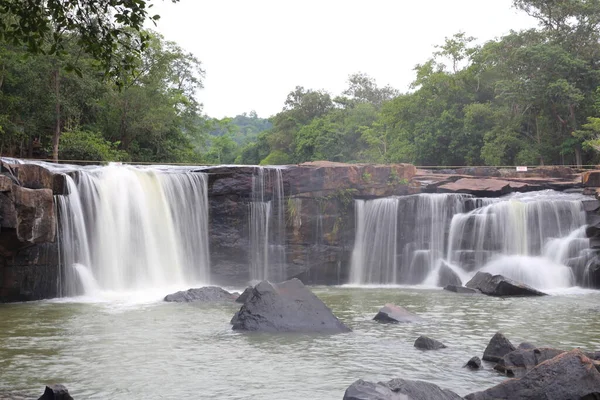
point(530, 97)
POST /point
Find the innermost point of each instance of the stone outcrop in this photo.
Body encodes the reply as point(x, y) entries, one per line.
point(498, 285)
point(391, 313)
point(286, 307)
point(567, 376)
point(426, 343)
point(473, 363)
point(398, 389)
point(446, 276)
point(461, 289)
point(56, 392)
point(497, 348)
point(204, 294)
point(518, 362)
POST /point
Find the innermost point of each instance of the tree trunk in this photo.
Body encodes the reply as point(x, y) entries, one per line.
point(57, 132)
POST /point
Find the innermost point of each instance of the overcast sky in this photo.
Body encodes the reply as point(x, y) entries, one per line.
point(256, 51)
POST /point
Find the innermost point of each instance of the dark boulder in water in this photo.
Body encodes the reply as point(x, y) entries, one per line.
point(286, 307)
point(56, 392)
point(461, 289)
point(520, 361)
point(568, 376)
point(392, 314)
point(245, 295)
point(204, 294)
point(526, 346)
point(398, 389)
point(425, 343)
point(446, 276)
point(498, 285)
point(497, 348)
point(473, 363)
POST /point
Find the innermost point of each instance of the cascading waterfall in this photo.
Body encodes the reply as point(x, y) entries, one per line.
point(267, 225)
point(133, 229)
point(536, 238)
point(374, 258)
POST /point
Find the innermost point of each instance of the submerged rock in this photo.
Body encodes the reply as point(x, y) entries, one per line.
point(204, 294)
point(398, 389)
point(56, 392)
point(446, 276)
point(497, 348)
point(286, 307)
point(526, 346)
point(567, 376)
point(460, 289)
point(473, 363)
point(498, 285)
point(520, 361)
point(245, 295)
point(391, 313)
point(425, 343)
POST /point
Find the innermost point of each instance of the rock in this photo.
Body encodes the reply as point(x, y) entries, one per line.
point(391, 313)
point(473, 363)
point(526, 346)
point(482, 187)
point(518, 362)
point(398, 389)
point(56, 392)
point(286, 307)
point(244, 296)
point(567, 376)
point(425, 343)
point(446, 276)
point(204, 294)
point(460, 289)
point(591, 179)
point(498, 285)
point(497, 348)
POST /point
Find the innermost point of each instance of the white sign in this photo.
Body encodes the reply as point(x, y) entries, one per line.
point(521, 169)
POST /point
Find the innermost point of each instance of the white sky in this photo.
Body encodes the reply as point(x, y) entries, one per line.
point(256, 51)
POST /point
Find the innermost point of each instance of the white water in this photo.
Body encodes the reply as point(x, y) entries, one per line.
point(537, 238)
point(267, 225)
point(134, 228)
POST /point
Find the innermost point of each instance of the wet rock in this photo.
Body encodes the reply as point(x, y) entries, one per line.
point(567, 376)
point(591, 179)
point(245, 295)
point(460, 289)
point(426, 343)
point(497, 348)
point(398, 389)
point(526, 346)
point(446, 276)
point(286, 307)
point(518, 362)
point(56, 392)
point(391, 313)
point(473, 363)
point(498, 285)
point(204, 294)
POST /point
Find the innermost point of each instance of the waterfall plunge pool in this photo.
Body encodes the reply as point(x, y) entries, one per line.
point(135, 346)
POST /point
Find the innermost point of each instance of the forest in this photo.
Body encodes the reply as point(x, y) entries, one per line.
point(531, 97)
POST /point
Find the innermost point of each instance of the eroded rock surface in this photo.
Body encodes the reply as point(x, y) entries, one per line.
point(498, 285)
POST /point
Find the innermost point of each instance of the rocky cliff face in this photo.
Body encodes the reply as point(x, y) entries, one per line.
point(28, 248)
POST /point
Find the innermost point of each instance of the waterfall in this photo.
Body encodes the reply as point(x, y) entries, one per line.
point(374, 254)
point(133, 228)
point(537, 238)
point(267, 225)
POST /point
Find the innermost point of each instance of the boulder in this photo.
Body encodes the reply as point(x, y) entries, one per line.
point(391, 313)
point(520, 361)
point(56, 392)
point(567, 376)
point(591, 179)
point(446, 276)
point(286, 307)
point(204, 294)
point(526, 346)
point(497, 348)
point(245, 295)
point(498, 285)
point(425, 343)
point(473, 363)
point(460, 289)
point(398, 389)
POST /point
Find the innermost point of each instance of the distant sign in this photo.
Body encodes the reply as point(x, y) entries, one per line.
point(521, 169)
